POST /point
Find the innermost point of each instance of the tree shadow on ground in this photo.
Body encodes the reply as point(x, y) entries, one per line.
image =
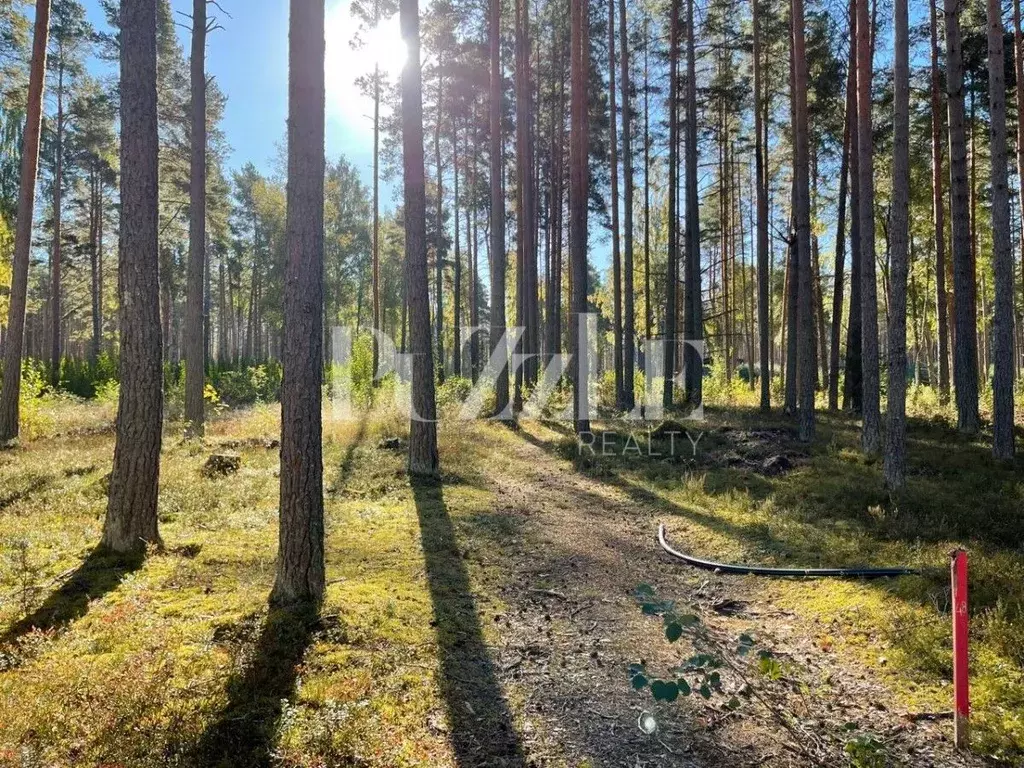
point(101, 572)
point(806, 544)
point(482, 730)
point(244, 732)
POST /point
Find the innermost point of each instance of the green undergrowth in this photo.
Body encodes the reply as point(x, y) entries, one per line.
point(828, 507)
point(175, 660)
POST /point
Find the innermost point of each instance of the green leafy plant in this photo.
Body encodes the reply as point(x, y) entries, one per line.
point(701, 673)
point(865, 750)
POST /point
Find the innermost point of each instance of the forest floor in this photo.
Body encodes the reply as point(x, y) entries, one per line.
point(491, 619)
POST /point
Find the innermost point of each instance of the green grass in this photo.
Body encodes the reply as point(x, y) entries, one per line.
point(175, 660)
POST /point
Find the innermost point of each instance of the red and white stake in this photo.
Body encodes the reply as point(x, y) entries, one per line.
point(962, 699)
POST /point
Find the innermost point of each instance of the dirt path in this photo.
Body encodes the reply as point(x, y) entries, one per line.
point(573, 628)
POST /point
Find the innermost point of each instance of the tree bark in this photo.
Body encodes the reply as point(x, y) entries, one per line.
point(672, 267)
point(375, 268)
point(131, 519)
point(578, 199)
point(694, 307)
point(94, 265)
point(300, 558)
point(526, 249)
point(10, 391)
point(805, 310)
point(871, 434)
point(629, 308)
point(965, 364)
point(895, 460)
point(439, 224)
point(457, 266)
point(763, 324)
point(613, 150)
point(853, 384)
point(56, 257)
point(423, 458)
point(648, 304)
point(497, 336)
point(840, 276)
point(939, 209)
point(1002, 256)
point(195, 331)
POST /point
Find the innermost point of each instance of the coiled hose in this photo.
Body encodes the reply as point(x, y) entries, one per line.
point(752, 570)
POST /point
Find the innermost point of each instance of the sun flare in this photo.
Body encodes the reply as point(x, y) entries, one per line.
point(381, 46)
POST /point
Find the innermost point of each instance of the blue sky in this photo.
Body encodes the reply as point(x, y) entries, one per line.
point(249, 59)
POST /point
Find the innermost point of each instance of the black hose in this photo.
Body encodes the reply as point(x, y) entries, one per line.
point(752, 570)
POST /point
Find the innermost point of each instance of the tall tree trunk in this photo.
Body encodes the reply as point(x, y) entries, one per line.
point(820, 332)
point(195, 332)
point(853, 381)
point(423, 458)
point(223, 313)
point(100, 221)
point(56, 257)
point(965, 364)
point(131, 519)
point(300, 559)
point(805, 311)
point(378, 318)
point(672, 268)
point(648, 303)
point(1018, 63)
point(499, 348)
point(526, 246)
point(94, 265)
point(763, 324)
point(10, 391)
point(1002, 256)
point(871, 435)
point(694, 318)
point(629, 308)
point(578, 197)
point(939, 209)
point(472, 247)
point(613, 150)
point(457, 266)
point(839, 280)
point(439, 237)
point(895, 461)
point(792, 290)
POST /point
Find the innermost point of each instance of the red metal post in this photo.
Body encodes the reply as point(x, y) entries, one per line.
point(962, 700)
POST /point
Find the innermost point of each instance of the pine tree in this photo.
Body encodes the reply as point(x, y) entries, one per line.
point(1002, 256)
point(629, 309)
point(760, 149)
point(195, 331)
point(965, 363)
point(131, 521)
point(871, 434)
point(300, 557)
point(694, 307)
point(498, 344)
point(423, 459)
point(10, 391)
point(672, 268)
point(894, 465)
point(939, 209)
point(578, 197)
point(803, 227)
